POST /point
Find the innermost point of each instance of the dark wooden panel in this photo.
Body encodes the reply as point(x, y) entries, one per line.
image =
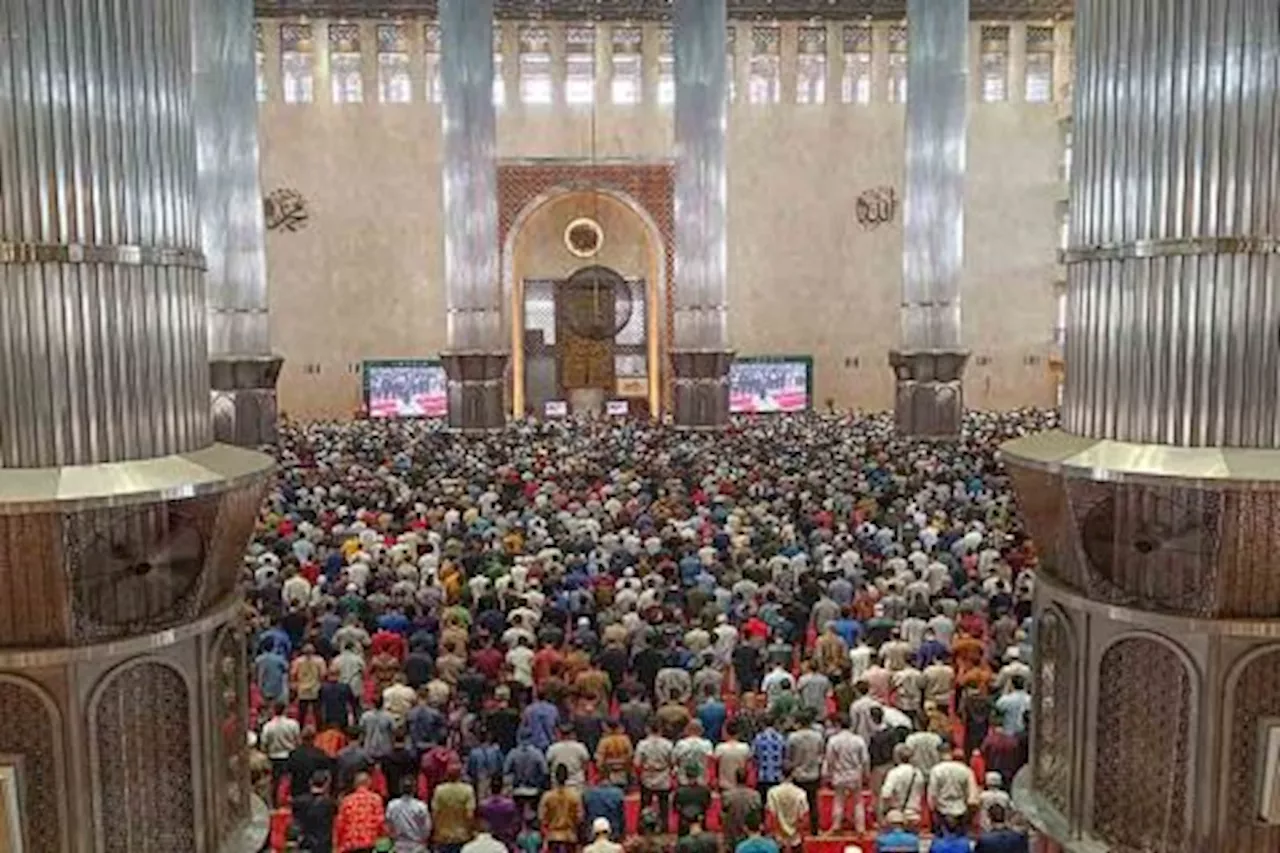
point(33, 597)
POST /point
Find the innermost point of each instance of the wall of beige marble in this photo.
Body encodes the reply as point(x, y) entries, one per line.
point(364, 278)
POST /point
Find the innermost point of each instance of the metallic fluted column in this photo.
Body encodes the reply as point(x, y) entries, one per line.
point(1174, 228)
point(477, 356)
point(121, 526)
point(243, 370)
point(1154, 511)
point(700, 353)
point(929, 398)
point(102, 331)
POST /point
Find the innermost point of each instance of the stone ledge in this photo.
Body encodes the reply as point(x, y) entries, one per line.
point(211, 470)
point(1080, 457)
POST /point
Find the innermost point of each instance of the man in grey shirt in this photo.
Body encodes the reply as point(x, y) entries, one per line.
point(805, 748)
point(813, 688)
point(377, 732)
point(572, 754)
point(673, 684)
point(409, 820)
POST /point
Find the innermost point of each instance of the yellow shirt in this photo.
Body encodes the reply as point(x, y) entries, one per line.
point(560, 813)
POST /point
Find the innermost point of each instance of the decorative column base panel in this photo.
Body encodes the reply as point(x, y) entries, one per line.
point(928, 393)
point(701, 388)
point(243, 391)
point(476, 382)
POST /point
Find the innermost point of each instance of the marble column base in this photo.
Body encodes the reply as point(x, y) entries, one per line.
point(701, 388)
point(928, 394)
point(243, 389)
point(476, 390)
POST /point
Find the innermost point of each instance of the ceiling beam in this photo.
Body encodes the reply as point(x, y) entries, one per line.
point(657, 10)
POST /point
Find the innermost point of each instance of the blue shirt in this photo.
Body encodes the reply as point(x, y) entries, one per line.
point(272, 672)
point(426, 727)
point(712, 715)
point(538, 724)
point(526, 767)
point(484, 762)
point(930, 651)
point(1002, 841)
point(757, 845)
point(950, 844)
point(605, 801)
point(395, 622)
point(897, 841)
point(848, 630)
point(769, 749)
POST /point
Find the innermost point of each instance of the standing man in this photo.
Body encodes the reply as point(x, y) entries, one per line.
point(804, 755)
point(654, 762)
point(453, 807)
point(953, 791)
point(737, 805)
point(560, 814)
point(360, 819)
point(846, 766)
point(281, 735)
point(789, 806)
point(306, 675)
point(409, 820)
point(769, 750)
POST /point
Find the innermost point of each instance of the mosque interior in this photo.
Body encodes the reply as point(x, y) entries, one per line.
point(781, 264)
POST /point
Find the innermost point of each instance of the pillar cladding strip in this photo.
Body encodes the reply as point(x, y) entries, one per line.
point(137, 256)
point(1167, 248)
point(473, 290)
point(701, 194)
point(936, 138)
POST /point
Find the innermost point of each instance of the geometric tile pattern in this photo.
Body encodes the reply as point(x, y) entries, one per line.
point(145, 762)
point(1144, 714)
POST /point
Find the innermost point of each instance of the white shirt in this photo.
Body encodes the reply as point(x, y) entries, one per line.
point(280, 736)
point(903, 789)
point(952, 788)
point(520, 660)
point(296, 590)
point(483, 843)
point(926, 749)
point(730, 756)
point(860, 660)
point(846, 760)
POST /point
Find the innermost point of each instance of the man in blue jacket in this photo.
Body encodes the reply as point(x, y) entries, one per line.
point(1001, 838)
point(951, 838)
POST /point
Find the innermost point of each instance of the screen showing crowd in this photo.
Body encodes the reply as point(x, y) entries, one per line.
point(769, 386)
point(406, 390)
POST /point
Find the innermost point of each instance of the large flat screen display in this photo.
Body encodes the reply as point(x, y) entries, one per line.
point(771, 384)
point(405, 389)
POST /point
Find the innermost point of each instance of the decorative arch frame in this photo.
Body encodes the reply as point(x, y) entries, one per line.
point(211, 703)
point(1195, 679)
point(194, 741)
point(1227, 731)
point(1072, 675)
point(646, 189)
point(56, 726)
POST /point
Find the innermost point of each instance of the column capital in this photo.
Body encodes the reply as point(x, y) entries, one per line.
point(701, 383)
point(476, 382)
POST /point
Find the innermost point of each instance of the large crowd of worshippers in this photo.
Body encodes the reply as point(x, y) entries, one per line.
point(591, 634)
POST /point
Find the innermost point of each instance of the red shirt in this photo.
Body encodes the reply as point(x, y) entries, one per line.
point(489, 662)
point(360, 821)
point(545, 661)
point(755, 627)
